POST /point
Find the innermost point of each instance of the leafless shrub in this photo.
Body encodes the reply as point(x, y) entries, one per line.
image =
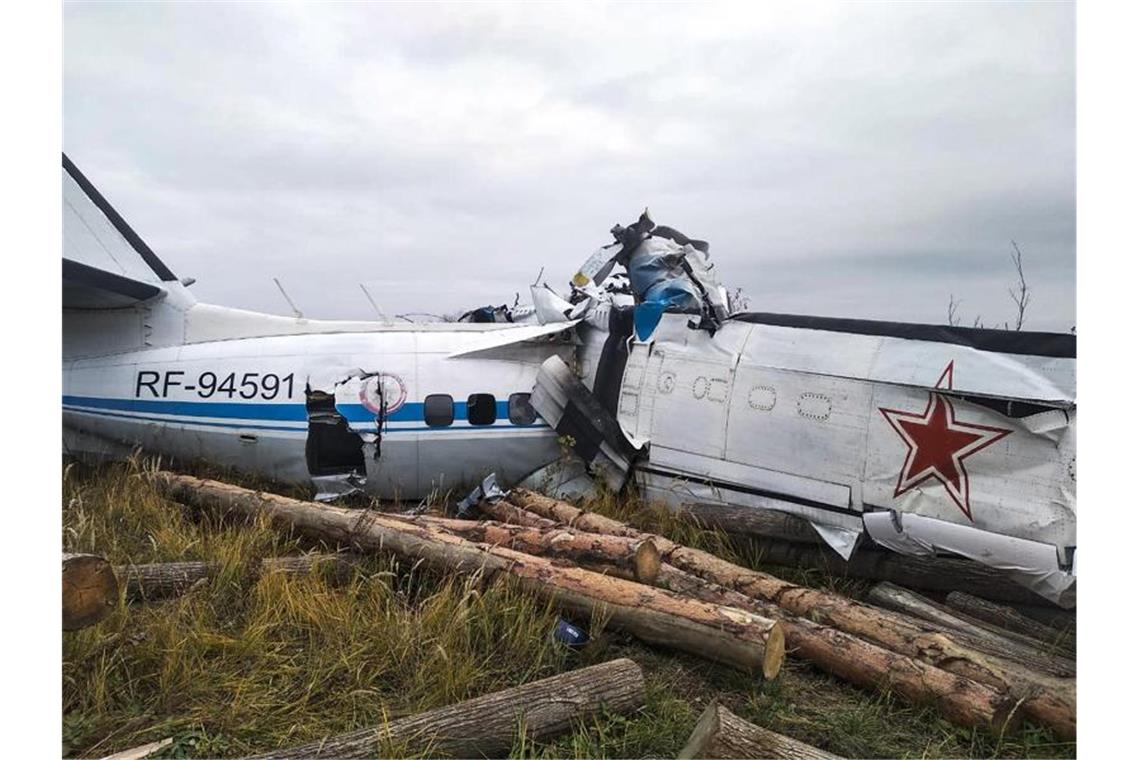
point(1020, 295)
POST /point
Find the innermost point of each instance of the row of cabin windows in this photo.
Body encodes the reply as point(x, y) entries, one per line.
point(439, 409)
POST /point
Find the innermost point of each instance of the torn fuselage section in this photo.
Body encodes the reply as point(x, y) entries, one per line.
point(665, 270)
point(334, 453)
point(589, 428)
point(346, 427)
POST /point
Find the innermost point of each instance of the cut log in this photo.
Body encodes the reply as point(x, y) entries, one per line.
point(960, 700)
point(966, 702)
point(730, 636)
point(164, 580)
point(1048, 700)
point(1009, 619)
point(1050, 615)
point(638, 555)
point(975, 633)
point(753, 521)
point(935, 574)
point(503, 511)
point(486, 726)
point(90, 590)
point(721, 734)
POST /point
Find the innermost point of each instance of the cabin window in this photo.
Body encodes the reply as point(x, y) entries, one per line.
point(481, 409)
point(519, 409)
point(439, 410)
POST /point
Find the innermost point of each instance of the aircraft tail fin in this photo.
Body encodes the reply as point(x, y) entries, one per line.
point(106, 265)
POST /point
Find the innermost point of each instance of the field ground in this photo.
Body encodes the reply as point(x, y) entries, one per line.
point(246, 664)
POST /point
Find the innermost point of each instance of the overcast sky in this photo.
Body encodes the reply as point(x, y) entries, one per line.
point(864, 160)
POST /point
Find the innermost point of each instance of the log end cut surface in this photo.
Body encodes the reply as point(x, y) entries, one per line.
point(90, 590)
point(647, 561)
point(774, 652)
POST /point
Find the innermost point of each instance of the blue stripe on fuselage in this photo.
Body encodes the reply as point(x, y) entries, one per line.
point(412, 411)
point(220, 410)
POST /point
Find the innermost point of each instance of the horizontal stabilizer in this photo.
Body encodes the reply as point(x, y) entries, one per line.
point(86, 287)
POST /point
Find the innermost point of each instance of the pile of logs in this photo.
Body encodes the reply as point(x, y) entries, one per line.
point(968, 678)
point(979, 664)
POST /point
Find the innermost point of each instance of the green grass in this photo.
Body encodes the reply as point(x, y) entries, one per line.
point(246, 663)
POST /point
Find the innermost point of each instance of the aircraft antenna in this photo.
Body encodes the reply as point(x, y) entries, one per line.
point(296, 312)
point(379, 313)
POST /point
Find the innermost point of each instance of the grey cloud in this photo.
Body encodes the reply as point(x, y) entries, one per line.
point(858, 159)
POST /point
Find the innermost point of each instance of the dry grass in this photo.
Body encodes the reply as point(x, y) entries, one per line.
point(248, 663)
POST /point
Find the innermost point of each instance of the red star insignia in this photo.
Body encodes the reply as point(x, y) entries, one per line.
point(938, 444)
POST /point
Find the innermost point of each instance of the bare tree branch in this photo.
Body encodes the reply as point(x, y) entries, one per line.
point(952, 317)
point(1020, 296)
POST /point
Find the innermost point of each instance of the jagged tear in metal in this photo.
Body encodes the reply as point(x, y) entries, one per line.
point(571, 409)
point(1032, 564)
point(488, 490)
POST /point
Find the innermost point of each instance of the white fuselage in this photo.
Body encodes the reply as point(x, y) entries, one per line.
point(242, 403)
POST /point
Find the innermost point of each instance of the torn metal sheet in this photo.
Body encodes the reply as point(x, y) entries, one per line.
point(569, 407)
point(549, 306)
point(332, 487)
point(566, 478)
point(596, 268)
point(842, 540)
point(487, 490)
point(656, 275)
point(1032, 564)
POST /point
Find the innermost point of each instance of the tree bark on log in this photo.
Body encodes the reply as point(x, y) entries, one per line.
point(936, 574)
point(730, 636)
point(486, 726)
point(960, 700)
point(1048, 700)
point(505, 512)
point(638, 555)
point(975, 633)
point(1050, 615)
point(162, 580)
point(1009, 619)
point(719, 733)
point(752, 521)
point(90, 590)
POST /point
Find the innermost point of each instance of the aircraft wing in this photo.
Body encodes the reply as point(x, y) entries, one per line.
point(509, 335)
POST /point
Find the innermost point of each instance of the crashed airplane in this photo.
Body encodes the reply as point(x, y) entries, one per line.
point(921, 438)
